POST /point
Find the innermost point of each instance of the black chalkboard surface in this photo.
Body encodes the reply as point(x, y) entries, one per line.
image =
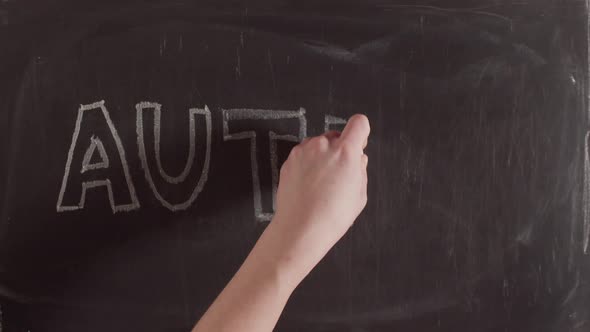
point(140, 142)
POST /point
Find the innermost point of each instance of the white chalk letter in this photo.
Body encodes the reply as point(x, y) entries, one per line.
point(257, 114)
point(330, 120)
point(157, 110)
point(96, 143)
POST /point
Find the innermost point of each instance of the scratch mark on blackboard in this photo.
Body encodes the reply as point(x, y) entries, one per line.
point(272, 72)
point(573, 291)
point(588, 54)
point(374, 49)
point(473, 11)
point(402, 87)
point(483, 71)
point(332, 51)
point(525, 235)
point(162, 45)
point(14, 296)
point(386, 314)
point(422, 24)
point(238, 64)
point(586, 194)
point(586, 190)
point(527, 53)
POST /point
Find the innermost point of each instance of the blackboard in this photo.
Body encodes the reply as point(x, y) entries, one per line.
point(140, 140)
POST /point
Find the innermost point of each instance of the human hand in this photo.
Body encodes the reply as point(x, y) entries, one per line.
point(322, 190)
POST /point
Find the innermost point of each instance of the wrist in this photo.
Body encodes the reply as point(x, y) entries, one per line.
point(279, 249)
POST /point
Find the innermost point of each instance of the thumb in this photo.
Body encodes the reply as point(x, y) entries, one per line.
point(356, 131)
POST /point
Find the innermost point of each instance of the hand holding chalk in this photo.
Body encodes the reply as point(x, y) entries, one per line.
point(322, 190)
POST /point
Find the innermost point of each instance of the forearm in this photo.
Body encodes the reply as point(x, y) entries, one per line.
point(322, 190)
point(255, 297)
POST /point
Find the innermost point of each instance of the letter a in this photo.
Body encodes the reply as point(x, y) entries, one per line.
point(104, 173)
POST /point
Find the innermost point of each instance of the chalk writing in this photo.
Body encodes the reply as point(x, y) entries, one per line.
point(193, 112)
point(101, 167)
point(95, 143)
point(257, 114)
point(330, 120)
point(134, 202)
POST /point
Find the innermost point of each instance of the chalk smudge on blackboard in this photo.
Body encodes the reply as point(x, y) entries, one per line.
point(3, 17)
point(271, 70)
point(334, 52)
point(134, 204)
point(238, 63)
point(407, 310)
point(162, 45)
point(449, 11)
point(259, 114)
point(193, 112)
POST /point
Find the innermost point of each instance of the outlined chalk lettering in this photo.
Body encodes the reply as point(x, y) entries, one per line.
point(193, 112)
point(330, 120)
point(260, 114)
point(99, 149)
point(96, 143)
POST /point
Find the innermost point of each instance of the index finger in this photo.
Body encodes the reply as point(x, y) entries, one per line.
point(356, 131)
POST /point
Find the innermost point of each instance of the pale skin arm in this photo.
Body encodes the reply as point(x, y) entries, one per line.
point(322, 190)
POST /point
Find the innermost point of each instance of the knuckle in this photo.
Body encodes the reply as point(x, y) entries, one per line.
point(319, 143)
point(346, 151)
point(296, 150)
point(313, 141)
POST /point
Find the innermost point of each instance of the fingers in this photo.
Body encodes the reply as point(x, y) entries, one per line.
point(364, 163)
point(305, 140)
point(356, 132)
point(332, 134)
point(365, 178)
